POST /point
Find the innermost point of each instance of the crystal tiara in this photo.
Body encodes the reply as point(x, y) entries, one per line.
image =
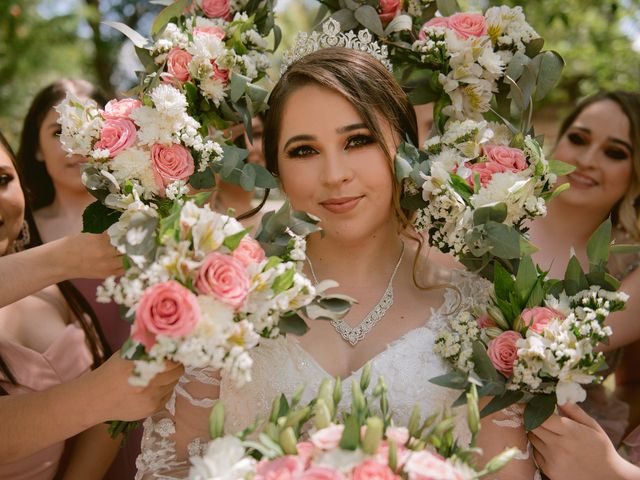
point(331, 36)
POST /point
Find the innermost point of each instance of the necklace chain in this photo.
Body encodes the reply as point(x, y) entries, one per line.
point(354, 334)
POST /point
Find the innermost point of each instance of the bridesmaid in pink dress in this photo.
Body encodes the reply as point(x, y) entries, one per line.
point(58, 198)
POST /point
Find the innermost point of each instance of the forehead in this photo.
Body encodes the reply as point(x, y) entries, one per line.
point(605, 117)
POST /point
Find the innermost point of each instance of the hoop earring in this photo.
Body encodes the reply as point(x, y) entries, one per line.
point(23, 238)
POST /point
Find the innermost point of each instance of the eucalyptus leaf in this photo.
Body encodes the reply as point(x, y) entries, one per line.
point(447, 7)
point(527, 83)
point(346, 19)
point(549, 65)
point(406, 157)
point(399, 24)
point(534, 47)
point(248, 178)
point(504, 240)
point(263, 177)
point(496, 213)
point(515, 93)
point(456, 380)
point(238, 85)
point(205, 179)
point(516, 65)
point(96, 218)
point(293, 324)
point(137, 39)
point(369, 18)
point(503, 401)
point(538, 409)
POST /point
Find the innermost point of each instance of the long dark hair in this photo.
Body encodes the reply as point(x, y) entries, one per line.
point(38, 185)
point(626, 213)
point(80, 308)
point(365, 83)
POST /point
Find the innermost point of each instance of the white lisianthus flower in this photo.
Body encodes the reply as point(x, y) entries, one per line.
point(134, 163)
point(208, 47)
point(169, 101)
point(213, 89)
point(154, 127)
point(225, 459)
point(208, 233)
point(512, 188)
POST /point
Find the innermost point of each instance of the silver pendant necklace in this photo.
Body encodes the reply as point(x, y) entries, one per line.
point(354, 334)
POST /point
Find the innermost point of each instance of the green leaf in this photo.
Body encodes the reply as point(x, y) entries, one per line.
point(172, 11)
point(248, 178)
point(137, 39)
point(483, 366)
point(263, 177)
point(526, 279)
point(598, 245)
point(617, 248)
point(549, 65)
point(461, 187)
point(405, 159)
point(504, 240)
point(574, 278)
point(534, 47)
point(369, 18)
point(560, 168)
point(496, 213)
point(557, 191)
point(293, 324)
point(538, 409)
point(238, 85)
point(97, 217)
point(447, 7)
point(346, 19)
point(216, 420)
point(516, 65)
point(537, 295)
point(201, 180)
point(232, 241)
point(351, 435)
point(456, 380)
point(283, 281)
point(503, 401)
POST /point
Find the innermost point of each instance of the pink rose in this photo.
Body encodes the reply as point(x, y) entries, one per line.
point(249, 252)
point(537, 318)
point(214, 31)
point(389, 9)
point(372, 470)
point(117, 135)
point(216, 8)
point(485, 321)
point(281, 468)
point(503, 352)
point(434, 22)
point(486, 170)
point(468, 24)
point(178, 64)
point(165, 309)
point(170, 163)
point(400, 435)
point(218, 74)
point(424, 465)
point(120, 108)
point(327, 438)
point(224, 278)
point(321, 473)
point(510, 158)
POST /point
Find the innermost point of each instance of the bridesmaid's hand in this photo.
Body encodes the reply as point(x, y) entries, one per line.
point(88, 255)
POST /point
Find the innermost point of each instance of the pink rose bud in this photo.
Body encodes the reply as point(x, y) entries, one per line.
point(216, 8)
point(224, 278)
point(287, 467)
point(117, 135)
point(468, 24)
point(510, 158)
point(485, 321)
point(178, 64)
point(321, 473)
point(213, 31)
point(400, 435)
point(328, 438)
point(503, 352)
point(538, 318)
point(434, 22)
point(388, 10)
point(165, 309)
point(120, 108)
point(486, 170)
point(372, 470)
point(218, 74)
point(249, 252)
point(170, 163)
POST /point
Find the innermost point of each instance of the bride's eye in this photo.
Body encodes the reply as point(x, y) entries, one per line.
point(5, 179)
point(359, 141)
point(576, 139)
point(301, 151)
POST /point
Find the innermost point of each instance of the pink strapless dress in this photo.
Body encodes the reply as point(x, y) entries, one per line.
point(67, 358)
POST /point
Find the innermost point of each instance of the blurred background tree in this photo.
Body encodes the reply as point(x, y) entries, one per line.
point(41, 40)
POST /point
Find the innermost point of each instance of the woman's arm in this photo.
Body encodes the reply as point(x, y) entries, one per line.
point(83, 255)
point(575, 446)
point(91, 453)
point(66, 410)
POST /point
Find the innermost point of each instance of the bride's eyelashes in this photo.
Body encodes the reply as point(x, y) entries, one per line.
point(613, 153)
point(354, 141)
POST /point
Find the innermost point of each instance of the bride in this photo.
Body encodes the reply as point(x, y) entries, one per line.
point(336, 117)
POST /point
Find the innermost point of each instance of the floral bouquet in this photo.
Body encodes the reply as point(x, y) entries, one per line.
point(359, 445)
point(474, 187)
point(536, 340)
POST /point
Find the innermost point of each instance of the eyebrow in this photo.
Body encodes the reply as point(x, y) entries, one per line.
point(345, 129)
point(7, 168)
point(53, 124)
point(611, 139)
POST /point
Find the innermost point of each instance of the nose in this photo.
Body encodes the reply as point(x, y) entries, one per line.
point(588, 158)
point(335, 168)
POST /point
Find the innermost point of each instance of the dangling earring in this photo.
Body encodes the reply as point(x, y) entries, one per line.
point(23, 238)
point(39, 157)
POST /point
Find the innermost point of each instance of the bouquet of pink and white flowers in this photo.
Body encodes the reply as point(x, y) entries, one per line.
point(309, 442)
point(535, 342)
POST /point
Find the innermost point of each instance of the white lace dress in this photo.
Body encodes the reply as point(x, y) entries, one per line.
point(281, 365)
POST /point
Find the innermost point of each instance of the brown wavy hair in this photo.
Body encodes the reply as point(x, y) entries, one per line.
point(626, 213)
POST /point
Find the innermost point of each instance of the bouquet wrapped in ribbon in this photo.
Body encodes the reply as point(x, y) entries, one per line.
point(317, 440)
point(536, 340)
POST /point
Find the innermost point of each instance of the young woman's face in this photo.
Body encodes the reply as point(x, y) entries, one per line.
point(599, 146)
point(11, 202)
point(64, 170)
point(332, 167)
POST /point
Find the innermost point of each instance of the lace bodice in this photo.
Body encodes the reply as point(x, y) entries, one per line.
point(281, 365)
